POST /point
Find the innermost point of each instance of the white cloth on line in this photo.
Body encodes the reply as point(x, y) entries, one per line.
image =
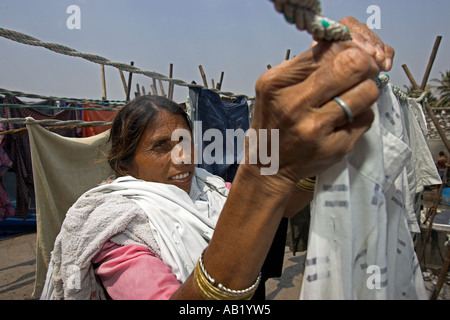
point(360, 244)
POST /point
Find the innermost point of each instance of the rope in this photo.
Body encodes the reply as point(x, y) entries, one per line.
point(383, 80)
point(58, 48)
point(89, 102)
point(25, 106)
point(307, 15)
point(55, 124)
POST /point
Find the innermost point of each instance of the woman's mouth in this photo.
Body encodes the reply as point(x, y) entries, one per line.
point(182, 177)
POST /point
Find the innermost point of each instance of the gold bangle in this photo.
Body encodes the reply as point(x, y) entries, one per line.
point(208, 291)
point(307, 184)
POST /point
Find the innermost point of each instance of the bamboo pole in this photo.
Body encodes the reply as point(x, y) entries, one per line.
point(138, 90)
point(124, 84)
point(443, 274)
point(219, 84)
point(430, 62)
point(154, 91)
point(288, 54)
point(130, 76)
point(202, 73)
point(170, 83)
point(103, 83)
point(153, 86)
point(161, 87)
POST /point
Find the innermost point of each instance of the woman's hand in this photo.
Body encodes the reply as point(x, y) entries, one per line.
point(370, 42)
point(296, 98)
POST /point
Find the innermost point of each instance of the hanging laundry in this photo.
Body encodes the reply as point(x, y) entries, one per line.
point(94, 115)
point(18, 149)
point(6, 208)
point(208, 108)
point(360, 244)
point(64, 169)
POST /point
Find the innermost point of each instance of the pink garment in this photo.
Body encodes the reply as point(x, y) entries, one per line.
point(132, 272)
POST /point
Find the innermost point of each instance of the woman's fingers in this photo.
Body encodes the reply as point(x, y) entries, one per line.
point(346, 70)
point(357, 99)
point(370, 42)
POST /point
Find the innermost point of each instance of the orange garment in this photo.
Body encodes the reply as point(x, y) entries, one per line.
point(93, 115)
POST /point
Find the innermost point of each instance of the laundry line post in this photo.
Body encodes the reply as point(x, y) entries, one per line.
point(124, 84)
point(103, 83)
point(219, 84)
point(130, 76)
point(171, 87)
point(202, 73)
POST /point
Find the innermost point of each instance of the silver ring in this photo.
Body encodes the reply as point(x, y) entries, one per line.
point(346, 108)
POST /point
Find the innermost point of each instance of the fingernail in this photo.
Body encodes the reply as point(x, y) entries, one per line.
point(388, 64)
point(380, 53)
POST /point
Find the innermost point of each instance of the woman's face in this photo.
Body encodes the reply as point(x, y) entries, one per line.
point(153, 157)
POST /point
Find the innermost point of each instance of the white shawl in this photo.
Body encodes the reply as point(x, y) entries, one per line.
point(176, 226)
point(182, 224)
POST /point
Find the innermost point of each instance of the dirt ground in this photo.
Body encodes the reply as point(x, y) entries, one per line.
point(18, 263)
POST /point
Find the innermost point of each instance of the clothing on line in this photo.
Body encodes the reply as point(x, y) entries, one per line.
point(96, 115)
point(57, 163)
point(6, 208)
point(18, 149)
point(360, 244)
point(213, 112)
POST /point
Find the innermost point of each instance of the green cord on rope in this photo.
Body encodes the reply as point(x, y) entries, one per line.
point(307, 15)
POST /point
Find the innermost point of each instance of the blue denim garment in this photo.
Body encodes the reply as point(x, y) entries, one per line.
point(213, 112)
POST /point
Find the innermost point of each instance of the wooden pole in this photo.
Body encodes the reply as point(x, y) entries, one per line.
point(103, 82)
point(219, 84)
point(154, 89)
point(138, 90)
point(288, 54)
point(202, 73)
point(122, 77)
point(161, 87)
point(429, 109)
point(130, 76)
point(444, 271)
point(430, 62)
point(410, 77)
point(171, 83)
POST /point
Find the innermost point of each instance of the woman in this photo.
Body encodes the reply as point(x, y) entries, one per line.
point(165, 229)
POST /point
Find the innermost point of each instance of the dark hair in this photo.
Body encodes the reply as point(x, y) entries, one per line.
point(130, 123)
point(441, 153)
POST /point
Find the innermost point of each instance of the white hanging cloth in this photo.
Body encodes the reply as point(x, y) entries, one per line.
point(360, 244)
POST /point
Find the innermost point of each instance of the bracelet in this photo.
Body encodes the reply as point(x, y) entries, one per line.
point(306, 184)
point(205, 284)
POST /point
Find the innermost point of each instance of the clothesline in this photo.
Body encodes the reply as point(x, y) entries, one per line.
point(55, 107)
point(90, 102)
point(58, 48)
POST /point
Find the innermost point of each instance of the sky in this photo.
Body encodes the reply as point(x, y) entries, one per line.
point(237, 37)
